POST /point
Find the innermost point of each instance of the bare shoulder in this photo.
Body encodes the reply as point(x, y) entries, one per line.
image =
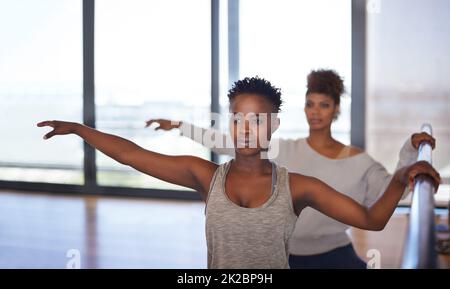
point(203, 171)
point(201, 165)
point(349, 151)
point(353, 151)
point(300, 185)
point(346, 151)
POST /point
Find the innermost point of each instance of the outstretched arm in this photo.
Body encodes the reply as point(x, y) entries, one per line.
point(308, 191)
point(221, 145)
point(187, 171)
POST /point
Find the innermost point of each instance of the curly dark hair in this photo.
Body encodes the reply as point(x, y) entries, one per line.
point(326, 81)
point(257, 85)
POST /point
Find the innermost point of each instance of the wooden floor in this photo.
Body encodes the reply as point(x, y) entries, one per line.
point(38, 231)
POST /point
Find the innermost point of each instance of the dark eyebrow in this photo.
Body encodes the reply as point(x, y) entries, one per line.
point(321, 101)
point(257, 114)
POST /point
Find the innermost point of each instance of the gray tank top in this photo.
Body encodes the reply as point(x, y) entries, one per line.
point(249, 238)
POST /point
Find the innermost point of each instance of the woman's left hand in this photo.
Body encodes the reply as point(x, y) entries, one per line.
point(417, 138)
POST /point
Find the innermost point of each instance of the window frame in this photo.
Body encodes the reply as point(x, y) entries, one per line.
point(91, 187)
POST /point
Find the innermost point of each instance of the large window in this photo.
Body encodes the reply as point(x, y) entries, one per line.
point(152, 60)
point(408, 80)
point(40, 78)
point(283, 40)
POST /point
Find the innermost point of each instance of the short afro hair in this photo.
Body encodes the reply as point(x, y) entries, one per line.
point(326, 81)
point(257, 85)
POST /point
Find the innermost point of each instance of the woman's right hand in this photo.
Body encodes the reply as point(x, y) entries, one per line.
point(408, 175)
point(59, 127)
point(164, 124)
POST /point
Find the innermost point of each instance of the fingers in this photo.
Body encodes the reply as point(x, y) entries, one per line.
point(427, 138)
point(46, 123)
point(418, 138)
point(423, 168)
point(50, 134)
point(433, 142)
point(150, 121)
point(411, 184)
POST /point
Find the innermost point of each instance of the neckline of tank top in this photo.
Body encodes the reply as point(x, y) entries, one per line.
point(262, 206)
point(306, 144)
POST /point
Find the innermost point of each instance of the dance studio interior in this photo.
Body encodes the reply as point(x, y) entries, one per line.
point(111, 110)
